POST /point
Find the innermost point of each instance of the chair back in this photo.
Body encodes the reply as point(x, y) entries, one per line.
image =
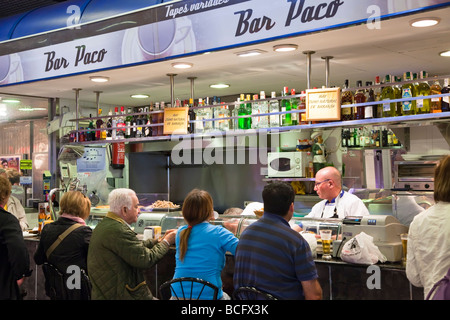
point(56, 285)
point(251, 293)
point(187, 288)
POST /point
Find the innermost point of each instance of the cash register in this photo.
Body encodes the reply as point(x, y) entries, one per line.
point(384, 229)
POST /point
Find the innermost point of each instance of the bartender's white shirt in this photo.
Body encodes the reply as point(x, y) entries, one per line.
point(428, 255)
point(347, 205)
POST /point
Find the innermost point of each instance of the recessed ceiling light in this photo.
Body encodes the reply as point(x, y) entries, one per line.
point(219, 86)
point(250, 53)
point(99, 79)
point(182, 65)
point(424, 22)
point(285, 47)
point(140, 96)
point(445, 54)
point(11, 100)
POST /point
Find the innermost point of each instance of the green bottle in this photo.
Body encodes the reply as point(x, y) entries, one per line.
point(242, 112)
point(398, 95)
point(408, 91)
point(423, 89)
point(286, 106)
point(388, 93)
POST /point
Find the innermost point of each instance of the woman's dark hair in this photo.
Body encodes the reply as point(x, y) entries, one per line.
point(278, 197)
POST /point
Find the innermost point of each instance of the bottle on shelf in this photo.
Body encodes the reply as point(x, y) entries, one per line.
point(109, 125)
point(223, 112)
point(408, 91)
point(423, 89)
point(199, 116)
point(255, 111)
point(114, 124)
point(302, 106)
point(242, 111)
point(346, 98)
point(286, 118)
point(148, 120)
point(128, 122)
point(191, 116)
point(389, 109)
point(207, 114)
point(294, 106)
point(436, 105)
point(154, 119)
point(398, 95)
point(370, 97)
point(139, 122)
point(445, 105)
point(377, 91)
point(121, 123)
point(90, 135)
point(248, 110)
point(100, 124)
point(274, 106)
point(263, 108)
point(160, 117)
point(358, 112)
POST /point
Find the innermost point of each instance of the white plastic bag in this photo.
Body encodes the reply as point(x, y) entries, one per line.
point(361, 250)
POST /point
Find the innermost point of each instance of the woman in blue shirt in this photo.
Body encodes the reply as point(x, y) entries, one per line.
point(201, 246)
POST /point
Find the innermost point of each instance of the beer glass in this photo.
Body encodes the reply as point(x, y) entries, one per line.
point(404, 237)
point(325, 235)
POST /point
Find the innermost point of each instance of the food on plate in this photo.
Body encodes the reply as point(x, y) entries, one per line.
point(163, 204)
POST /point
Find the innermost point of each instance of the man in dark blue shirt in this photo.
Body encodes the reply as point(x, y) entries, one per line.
point(271, 256)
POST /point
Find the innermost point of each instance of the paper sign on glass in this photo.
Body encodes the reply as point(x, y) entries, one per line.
point(175, 120)
point(323, 104)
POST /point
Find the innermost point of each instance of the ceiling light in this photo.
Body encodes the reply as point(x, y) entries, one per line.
point(11, 100)
point(285, 47)
point(424, 22)
point(445, 54)
point(219, 86)
point(99, 79)
point(26, 109)
point(182, 65)
point(140, 96)
point(250, 53)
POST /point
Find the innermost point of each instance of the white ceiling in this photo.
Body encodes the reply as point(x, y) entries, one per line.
point(359, 54)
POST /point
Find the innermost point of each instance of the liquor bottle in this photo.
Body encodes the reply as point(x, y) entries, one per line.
point(154, 119)
point(146, 120)
point(263, 108)
point(191, 114)
point(346, 98)
point(223, 112)
point(408, 91)
point(389, 109)
point(248, 109)
point(445, 105)
point(207, 114)
point(114, 124)
point(436, 102)
point(121, 123)
point(302, 106)
point(109, 125)
point(160, 118)
point(286, 118)
point(90, 135)
point(255, 111)
point(139, 123)
point(359, 98)
point(242, 112)
point(423, 89)
point(99, 124)
point(345, 137)
point(370, 97)
point(294, 106)
point(274, 106)
point(377, 92)
point(398, 95)
point(128, 121)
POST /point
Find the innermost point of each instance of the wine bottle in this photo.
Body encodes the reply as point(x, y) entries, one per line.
point(436, 102)
point(286, 118)
point(445, 106)
point(423, 89)
point(389, 109)
point(274, 106)
point(370, 97)
point(346, 98)
point(408, 91)
point(359, 98)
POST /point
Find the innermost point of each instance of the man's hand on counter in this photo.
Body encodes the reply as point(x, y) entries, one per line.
point(169, 236)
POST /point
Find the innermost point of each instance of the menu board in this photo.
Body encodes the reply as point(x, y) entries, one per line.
point(176, 120)
point(323, 104)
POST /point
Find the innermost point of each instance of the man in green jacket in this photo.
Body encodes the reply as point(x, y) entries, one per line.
point(117, 258)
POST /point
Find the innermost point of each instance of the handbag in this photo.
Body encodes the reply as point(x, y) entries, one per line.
point(61, 238)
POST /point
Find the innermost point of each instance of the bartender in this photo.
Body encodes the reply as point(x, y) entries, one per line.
point(336, 202)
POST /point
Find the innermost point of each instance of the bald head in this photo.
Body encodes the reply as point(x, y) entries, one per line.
point(328, 183)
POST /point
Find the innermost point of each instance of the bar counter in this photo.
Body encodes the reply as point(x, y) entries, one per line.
point(339, 280)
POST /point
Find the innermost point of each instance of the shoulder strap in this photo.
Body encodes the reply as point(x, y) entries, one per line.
point(61, 238)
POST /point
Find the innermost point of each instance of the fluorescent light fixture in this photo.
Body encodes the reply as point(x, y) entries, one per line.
point(285, 47)
point(10, 100)
point(219, 86)
point(424, 22)
point(182, 65)
point(28, 109)
point(139, 96)
point(445, 53)
point(99, 79)
point(250, 53)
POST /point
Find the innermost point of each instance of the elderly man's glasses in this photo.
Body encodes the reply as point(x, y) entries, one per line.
point(319, 183)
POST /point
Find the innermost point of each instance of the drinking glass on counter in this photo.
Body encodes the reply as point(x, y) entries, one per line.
point(325, 235)
point(404, 237)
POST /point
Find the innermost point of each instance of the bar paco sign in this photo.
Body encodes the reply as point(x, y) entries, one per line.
point(323, 104)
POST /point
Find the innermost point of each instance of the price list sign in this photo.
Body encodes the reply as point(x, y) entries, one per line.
point(323, 104)
point(175, 120)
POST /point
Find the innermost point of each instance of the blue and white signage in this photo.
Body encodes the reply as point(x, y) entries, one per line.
point(188, 27)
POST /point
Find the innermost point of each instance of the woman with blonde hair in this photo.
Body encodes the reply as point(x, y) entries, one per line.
point(75, 208)
point(201, 246)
